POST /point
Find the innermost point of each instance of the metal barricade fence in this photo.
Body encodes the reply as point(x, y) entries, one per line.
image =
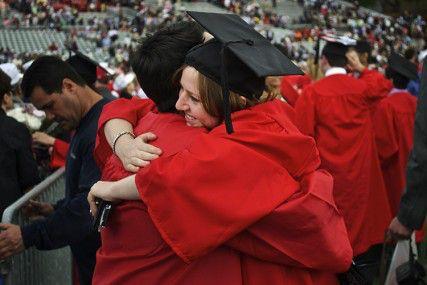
point(35, 267)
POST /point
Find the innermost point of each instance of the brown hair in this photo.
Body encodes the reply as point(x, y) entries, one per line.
point(213, 102)
point(212, 99)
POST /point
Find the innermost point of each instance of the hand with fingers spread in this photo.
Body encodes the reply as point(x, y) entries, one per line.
point(136, 153)
point(11, 241)
point(354, 61)
point(397, 231)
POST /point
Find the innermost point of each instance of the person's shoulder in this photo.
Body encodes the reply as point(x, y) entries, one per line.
point(12, 126)
point(15, 132)
point(339, 84)
point(401, 102)
point(273, 116)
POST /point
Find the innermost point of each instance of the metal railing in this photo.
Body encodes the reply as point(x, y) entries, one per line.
point(35, 267)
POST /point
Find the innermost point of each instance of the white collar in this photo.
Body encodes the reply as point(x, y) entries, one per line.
point(335, 70)
point(397, 90)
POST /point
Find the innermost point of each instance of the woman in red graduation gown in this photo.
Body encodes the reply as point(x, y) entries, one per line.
point(197, 203)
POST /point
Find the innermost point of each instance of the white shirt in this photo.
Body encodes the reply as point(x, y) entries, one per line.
point(335, 70)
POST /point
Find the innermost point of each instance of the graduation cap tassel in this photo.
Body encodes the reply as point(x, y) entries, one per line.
point(225, 91)
point(316, 57)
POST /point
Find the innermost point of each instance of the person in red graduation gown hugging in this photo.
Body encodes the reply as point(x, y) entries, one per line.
point(336, 112)
point(394, 128)
point(250, 207)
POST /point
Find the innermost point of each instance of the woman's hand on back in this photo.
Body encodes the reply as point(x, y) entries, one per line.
point(136, 153)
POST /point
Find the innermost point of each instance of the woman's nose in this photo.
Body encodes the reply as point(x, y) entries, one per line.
point(181, 104)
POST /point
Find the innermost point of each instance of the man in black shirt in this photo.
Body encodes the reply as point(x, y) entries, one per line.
point(53, 86)
point(18, 169)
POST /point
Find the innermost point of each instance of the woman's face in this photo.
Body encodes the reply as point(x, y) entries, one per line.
point(189, 102)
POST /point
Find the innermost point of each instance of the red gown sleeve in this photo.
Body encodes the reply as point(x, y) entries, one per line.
point(129, 110)
point(288, 92)
point(385, 136)
point(305, 117)
point(377, 85)
point(59, 153)
point(211, 202)
point(321, 243)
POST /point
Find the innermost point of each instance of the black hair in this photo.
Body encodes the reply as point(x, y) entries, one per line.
point(5, 86)
point(48, 72)
point(410, 53)
point(399, 81)
point(335, 60)
point(159, 57)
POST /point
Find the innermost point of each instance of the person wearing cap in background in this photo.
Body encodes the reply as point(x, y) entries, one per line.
point(363, 49)
point(54, 86)
point(88, 70)
point(13, 72)
point(103, 83)
point(18, 169)
point(23, 113)
point(199, 198)
point(124, 86)
point(394, 125)
point(413, 205)
point(15, 76)
point(336, 112)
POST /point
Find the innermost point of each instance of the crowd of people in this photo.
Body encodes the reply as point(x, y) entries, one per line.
point(240, 159)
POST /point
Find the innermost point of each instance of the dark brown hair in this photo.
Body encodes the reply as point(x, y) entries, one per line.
point(5, 86)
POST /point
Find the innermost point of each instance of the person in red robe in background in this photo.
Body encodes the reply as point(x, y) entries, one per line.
point(308, 222)
point(291, 86)
point(336, 112)
point(394, 124)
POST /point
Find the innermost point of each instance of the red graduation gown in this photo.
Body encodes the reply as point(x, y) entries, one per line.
point(394, 134)
point(291, 86)
point(334, 253)
point(59, 153)
point(131, 110)
point(336, 111)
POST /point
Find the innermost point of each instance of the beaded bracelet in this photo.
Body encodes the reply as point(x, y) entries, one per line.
point(119, 136)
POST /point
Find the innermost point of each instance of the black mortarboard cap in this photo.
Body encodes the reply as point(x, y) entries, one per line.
point(84, 66)
point(402, 66)
point(363, 46)
point(238, 58)
point(337, 45)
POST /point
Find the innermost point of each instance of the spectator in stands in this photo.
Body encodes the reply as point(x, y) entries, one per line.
point(53, 86)
point(18, 169)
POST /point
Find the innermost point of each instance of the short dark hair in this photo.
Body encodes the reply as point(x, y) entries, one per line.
point(410, 53)
point(5, 86)
point(48, 72)
point(335, 60)
point(159, 57)
point(399, 81)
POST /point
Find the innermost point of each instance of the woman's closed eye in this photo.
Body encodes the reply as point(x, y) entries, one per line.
point(194, 99)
